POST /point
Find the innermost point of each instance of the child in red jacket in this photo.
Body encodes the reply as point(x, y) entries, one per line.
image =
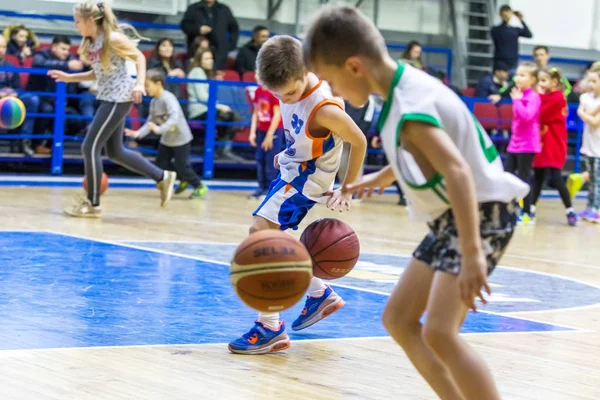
point(553, 129)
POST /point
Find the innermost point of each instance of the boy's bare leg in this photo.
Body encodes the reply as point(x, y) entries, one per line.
point(260, 224)
point(445, 314)
point(401, 319)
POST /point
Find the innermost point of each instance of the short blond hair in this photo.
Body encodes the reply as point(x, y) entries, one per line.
point(340, 32)
point(279, 61)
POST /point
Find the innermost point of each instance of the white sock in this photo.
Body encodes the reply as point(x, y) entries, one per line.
point(532, 209)
point(271, 319)
point(568, 210)
point(316, 287)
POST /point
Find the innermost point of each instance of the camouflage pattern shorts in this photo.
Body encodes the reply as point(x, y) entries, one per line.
point(441, 248)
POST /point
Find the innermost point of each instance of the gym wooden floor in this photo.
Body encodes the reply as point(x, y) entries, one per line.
point(527, 362)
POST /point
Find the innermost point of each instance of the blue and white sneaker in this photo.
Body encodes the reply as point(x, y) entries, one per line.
point(261, 339)
point(317, 308)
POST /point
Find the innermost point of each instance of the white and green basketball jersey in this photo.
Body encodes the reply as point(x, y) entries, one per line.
point(416, 96)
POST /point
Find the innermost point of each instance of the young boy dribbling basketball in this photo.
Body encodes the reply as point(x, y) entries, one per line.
point(454, 180)
point(315, 125)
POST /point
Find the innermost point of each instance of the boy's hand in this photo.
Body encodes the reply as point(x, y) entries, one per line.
point(494, 98)
point(472, 278)
point(131, 133)
point(376, 142)
point(153, 127)
point(252, 139)
point(276, 161)
point(369, 183)
point(339, 200)
point(267, 144)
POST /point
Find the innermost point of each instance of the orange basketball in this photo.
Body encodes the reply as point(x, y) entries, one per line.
point(270, 271)
point(333, 246)
point(103, 184)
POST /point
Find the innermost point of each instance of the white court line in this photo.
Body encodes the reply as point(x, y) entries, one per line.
point(332, 284)
point(547, 260)
point(523, 354)
point(409, 256)
point(296, 341)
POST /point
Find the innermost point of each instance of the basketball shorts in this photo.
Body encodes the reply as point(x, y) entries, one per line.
point(284, 205)
point(441, 247)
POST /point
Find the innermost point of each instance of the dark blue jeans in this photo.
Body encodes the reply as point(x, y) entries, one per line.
point(265, 170)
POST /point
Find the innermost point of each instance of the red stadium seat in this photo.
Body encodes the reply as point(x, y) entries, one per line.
point(505, 112)
point(487, 114)
point(231, 75)
point(468, 92)
point(249, 76)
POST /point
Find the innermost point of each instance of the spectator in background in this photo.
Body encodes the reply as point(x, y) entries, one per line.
point(413, 55)
point(489, 85)
point(215, 21)
point(246, 57)
point(21, 41)
point(200, 42)
point(541, 55)
point(202, 68)
point(57, 57)
point(9, 81)
point(163, 58)
point(506, 38)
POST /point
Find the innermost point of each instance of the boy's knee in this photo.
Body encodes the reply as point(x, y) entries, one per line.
point(438, 337)
point(398, 324)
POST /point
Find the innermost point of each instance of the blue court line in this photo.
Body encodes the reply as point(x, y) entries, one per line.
point(62, 291)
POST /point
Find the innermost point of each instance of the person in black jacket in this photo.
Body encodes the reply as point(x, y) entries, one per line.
point(216, 22)
point(55, 57)
point(491, 84)
point(506, 38)
point(246, 57)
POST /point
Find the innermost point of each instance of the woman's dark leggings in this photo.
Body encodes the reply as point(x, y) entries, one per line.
point(555, 178)
point(520, 164)
point(107, 130)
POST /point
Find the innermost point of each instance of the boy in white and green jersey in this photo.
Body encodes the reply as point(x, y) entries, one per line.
point(452, 177)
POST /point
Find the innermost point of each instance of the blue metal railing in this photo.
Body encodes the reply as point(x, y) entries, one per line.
point(211, 123)
point(174, 27)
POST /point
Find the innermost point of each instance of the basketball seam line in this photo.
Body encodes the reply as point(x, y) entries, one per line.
point(336, 242)
point(268, 298)
point(319, 235)
point(272, 268)
point(349, 259)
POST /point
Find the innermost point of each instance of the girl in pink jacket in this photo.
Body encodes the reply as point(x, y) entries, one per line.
point(525, 138)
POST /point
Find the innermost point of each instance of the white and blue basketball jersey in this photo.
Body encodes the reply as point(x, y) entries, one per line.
point(309, 164)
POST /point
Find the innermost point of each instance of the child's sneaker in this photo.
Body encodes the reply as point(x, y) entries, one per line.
point(83, 208)
point(183, 185)
point(261, 339)
point(571, 218)
point(199, 192)
point(593, 216)
point(574, 184)
point(166, 187)
point(524, 219)
point(317, 308)
point(584, 214)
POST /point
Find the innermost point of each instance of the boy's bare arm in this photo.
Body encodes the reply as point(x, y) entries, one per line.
point(334, 118)
point(445, 158)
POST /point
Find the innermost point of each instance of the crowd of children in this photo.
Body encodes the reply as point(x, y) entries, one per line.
point(539, 139)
